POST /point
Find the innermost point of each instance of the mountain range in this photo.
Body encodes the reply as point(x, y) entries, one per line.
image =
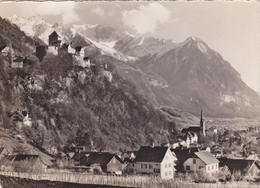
point(187, 76)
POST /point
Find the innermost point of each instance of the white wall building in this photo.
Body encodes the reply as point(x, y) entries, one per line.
point(202, 160)
point(154, 160)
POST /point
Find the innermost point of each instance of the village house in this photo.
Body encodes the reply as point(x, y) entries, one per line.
point(3, 152)
point(109, 163)
point(79, 51)
point(157, 161)
point(20, 118)
point(17, 115)
point(244, 166)
point(35, 162)
point(71, 50)
point(182, 154)
point(7, 51)
point(17, 62)
point(202, 160)
point(80, 158)
point(3, 43)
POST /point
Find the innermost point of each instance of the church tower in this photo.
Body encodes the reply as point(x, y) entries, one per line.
point(202, 124)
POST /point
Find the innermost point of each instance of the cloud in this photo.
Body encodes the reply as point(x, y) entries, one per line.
point(99, 11)
point(146, 19)
point(66, 10)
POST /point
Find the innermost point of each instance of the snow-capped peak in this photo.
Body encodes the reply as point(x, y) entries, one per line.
point(106, 50)
point(196, 42)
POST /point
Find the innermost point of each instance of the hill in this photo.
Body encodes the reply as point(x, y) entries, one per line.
point(67, 103)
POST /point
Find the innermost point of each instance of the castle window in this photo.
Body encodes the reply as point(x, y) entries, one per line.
point(194, 161)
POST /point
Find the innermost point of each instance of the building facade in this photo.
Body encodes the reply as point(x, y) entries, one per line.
point(157, 161)
point(201, 161)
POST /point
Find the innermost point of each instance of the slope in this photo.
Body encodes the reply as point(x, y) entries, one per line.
point(67, 103)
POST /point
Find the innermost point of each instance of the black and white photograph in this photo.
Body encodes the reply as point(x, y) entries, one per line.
point(129, 94)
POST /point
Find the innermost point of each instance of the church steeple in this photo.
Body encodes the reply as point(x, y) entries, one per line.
point(202, 124)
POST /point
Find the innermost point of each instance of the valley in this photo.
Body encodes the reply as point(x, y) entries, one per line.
point(90, 100)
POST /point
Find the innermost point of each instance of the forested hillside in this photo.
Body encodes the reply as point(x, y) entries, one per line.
point(68, 104)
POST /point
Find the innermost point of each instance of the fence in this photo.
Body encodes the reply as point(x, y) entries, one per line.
point(123, 181)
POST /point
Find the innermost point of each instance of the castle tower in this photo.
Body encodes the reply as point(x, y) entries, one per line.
point(202, 124)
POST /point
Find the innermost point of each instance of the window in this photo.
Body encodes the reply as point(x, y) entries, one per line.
point(145, 165)
point(200, 167)
point(212, 167)
point(169, 165)
point(165, 173)
point(170, 172)
point(165, 165)
point(208, 167)
point(150, 166)
point(156, 170)
point(216, 166)
point(187, 167)
point(194, 161)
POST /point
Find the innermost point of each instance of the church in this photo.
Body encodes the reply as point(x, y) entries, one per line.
point(199, 130)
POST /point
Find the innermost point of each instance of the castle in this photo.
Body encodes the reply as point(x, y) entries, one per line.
point(55, 47)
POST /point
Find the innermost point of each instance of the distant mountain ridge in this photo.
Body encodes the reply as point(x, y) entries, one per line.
point(186, 76)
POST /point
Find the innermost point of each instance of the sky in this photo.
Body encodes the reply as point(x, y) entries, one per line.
point(230, 28)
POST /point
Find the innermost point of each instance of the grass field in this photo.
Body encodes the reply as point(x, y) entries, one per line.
point(127, 181)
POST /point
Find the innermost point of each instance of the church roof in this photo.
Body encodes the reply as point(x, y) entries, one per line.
point(191, 129)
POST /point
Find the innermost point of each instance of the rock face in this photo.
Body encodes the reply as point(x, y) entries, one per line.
point(191, 76)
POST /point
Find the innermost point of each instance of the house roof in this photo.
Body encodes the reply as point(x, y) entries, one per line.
point(2, 47)
point(17, 116)
point(1, 149)
point(21, 157)
point(54, 34)
point(3, 43)
point(79, 156)
point(206, 157)
point(151, 154)
point(183, 154)
point(102, 158)
point(241, 165)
